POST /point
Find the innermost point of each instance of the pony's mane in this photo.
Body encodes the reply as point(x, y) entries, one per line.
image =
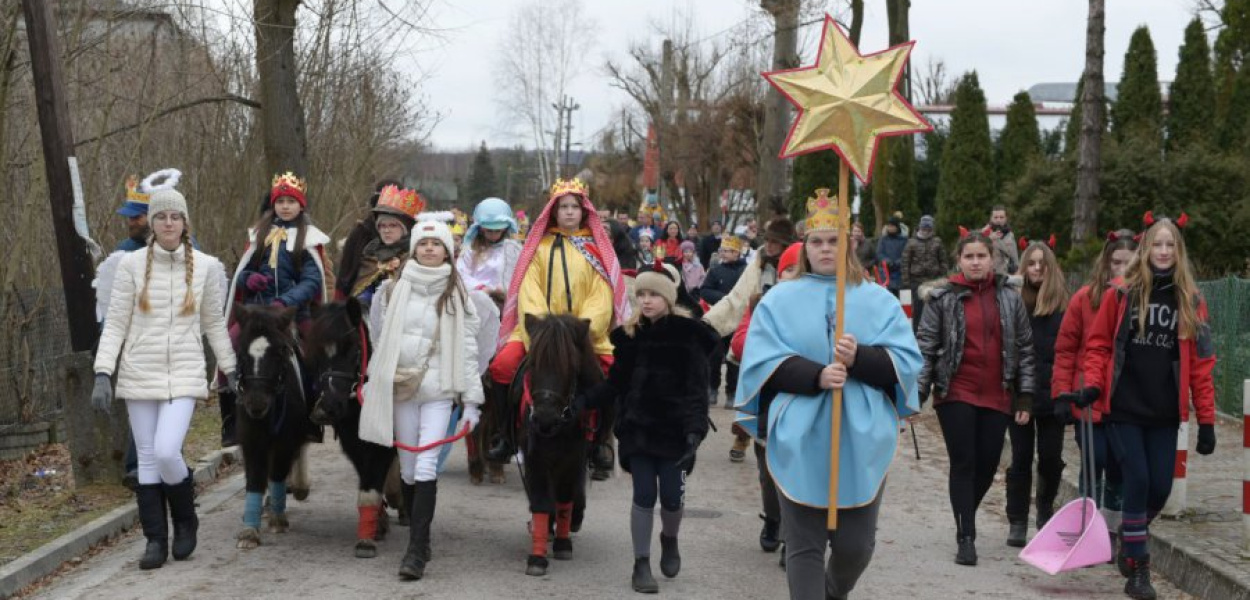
point(551, 340)
point(332, 325)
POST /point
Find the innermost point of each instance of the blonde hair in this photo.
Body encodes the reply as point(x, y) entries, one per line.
point(1140, 280)
point(631, 326)
point(188, 299)
point(1052, 296)
point(855, 273)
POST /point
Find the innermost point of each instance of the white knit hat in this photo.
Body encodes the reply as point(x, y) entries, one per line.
point(661, 282)
point(431, 229)
point(168, 199)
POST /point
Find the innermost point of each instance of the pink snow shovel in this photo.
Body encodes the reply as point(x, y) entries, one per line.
point(1077, 535)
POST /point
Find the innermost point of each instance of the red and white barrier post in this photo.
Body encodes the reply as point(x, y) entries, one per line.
point(1180, 492)
point(904, 296)
point(1245, 470)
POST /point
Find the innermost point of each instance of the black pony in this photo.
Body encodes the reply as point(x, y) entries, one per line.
point(337, 349)
point(552, 429)
point(273, 421)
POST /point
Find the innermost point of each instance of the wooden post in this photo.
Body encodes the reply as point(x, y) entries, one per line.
point(835, 437)
point(75, 261)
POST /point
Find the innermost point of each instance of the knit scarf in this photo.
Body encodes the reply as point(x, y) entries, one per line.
point(610, 267)
point(377, 414)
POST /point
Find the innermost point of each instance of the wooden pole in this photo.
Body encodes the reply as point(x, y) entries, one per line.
point(58, 141)
point(835, 436)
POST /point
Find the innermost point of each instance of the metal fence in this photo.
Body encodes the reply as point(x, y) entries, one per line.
point(34, 345)
point(1228, 301)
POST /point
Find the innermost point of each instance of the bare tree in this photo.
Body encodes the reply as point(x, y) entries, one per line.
point(771, 181)
point(1093, 106)
point(935, 86)
point(542, 52)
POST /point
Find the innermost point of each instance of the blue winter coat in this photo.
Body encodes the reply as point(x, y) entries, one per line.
point(288, 285)
point(890, 251)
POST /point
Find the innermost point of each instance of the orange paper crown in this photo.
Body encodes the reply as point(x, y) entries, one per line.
point(733, 242)
point(132, 191)
point(404, 201)
point(822, 213)
point(288, 184)
point(569, 186)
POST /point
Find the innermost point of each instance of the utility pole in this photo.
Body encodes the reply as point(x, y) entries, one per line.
point(564, 130)
point(58, 141)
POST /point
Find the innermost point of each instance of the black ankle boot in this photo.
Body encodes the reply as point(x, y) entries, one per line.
point(181, 499)
point(421, 516)
point(1138, 585)
point(644, 582)
point(967, 554)
point(1018, 535)
point(151, 501)
point(769, 541)
point(670, 558)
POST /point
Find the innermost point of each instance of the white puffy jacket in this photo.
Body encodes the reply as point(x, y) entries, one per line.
point(161, 352)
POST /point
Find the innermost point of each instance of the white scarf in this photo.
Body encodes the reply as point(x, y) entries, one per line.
point(377, 414)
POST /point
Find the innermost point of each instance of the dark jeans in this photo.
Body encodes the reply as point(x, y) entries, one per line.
point(1108, 482)
point(1147, 457)
point(731, 370)
point(974, 442)
point(807, 536)
point(1045, 433)
point(768, 489)
point(657, 477)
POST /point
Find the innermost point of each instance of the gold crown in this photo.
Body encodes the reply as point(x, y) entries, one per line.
point(406, 201)
point(822, 213)
point(290, 181)
point(132, 191)
point(569, 186)
point(733, 242)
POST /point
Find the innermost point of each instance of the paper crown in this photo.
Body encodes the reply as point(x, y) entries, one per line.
point(132, 191)
point(733, 242)
point(398, 200)
point(569, 186)
point(822, 213)
point(288, 184)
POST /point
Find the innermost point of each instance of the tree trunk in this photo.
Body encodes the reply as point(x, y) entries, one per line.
point(282, 116)
point(883, 201)
point(771, 182)
point(857, 20)
point(1093, 107)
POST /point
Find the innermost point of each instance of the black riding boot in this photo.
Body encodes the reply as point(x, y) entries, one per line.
point(151, 501)
point(1138, 585)
point(501, 448)
point(642, 580)
point(424, 495)
point(1018, 534)
point(181, 498)
point(225, 401)
point(405, 511)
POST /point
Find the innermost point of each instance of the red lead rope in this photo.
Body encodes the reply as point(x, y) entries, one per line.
point(360, 397)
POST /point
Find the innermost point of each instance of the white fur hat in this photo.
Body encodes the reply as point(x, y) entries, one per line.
point(168, 199)
point(431, 229)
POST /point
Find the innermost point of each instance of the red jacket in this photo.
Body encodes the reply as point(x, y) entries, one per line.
point(1105, 353)
point(739, 338)
point(1071, 348)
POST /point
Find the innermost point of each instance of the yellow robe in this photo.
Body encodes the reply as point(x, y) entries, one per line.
point(591, 294)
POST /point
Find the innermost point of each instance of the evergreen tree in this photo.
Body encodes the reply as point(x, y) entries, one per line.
point(1072, 129)
point(903, 179)
point(928, 167)
point(1232, 134)
point(1020, 140)
point(482, 182)
point(965, 190)
point(1138, 110)
point(1191, 100)
point(811, 172)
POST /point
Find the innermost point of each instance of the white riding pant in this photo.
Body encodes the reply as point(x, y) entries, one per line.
point(159, 427)
point(419, 424)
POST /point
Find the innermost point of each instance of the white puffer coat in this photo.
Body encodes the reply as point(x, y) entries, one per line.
point(161, 352)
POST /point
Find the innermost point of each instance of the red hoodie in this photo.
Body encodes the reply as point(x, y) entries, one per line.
point(979, 379)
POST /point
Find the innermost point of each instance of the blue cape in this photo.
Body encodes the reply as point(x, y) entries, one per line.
point(796, 318)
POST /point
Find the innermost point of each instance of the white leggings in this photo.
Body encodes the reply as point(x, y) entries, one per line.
point(418, 424)
point(159, 427)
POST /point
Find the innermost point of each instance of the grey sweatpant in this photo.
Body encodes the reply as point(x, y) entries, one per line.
point(807, 537)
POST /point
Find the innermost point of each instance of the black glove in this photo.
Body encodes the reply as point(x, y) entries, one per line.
point(1206, 439)
point(102, 394)
point(1063, 409)
point(686, 462)
point(1084, 397)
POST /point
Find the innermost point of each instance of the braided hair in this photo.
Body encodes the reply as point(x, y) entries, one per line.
point(188, 299)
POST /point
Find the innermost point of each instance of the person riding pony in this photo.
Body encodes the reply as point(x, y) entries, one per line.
point(567, 266)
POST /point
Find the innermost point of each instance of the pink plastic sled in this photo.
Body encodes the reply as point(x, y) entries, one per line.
point(1076, 536)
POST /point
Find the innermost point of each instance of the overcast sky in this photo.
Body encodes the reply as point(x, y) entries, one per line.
point(1012, 44)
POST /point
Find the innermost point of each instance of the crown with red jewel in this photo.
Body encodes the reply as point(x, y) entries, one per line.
point(401, 201)
point(569, 186)
point(822, 213)
point(289, 184)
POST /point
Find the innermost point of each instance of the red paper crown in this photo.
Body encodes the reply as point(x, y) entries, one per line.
point(404, 201)
point(288, 184)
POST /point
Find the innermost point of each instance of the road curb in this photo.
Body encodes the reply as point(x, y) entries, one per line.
point(48, 558)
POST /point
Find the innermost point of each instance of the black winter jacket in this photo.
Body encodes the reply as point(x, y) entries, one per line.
point(721, 280)
point(1045, 333)
point(659, 381)
point(941, 339)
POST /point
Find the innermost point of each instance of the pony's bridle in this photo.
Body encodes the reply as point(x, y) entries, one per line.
point(356, 380)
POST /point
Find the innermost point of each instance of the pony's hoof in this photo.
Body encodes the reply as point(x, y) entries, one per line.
point(536, 566)
point(366, 549)
point(279, 524)
point(300, 494)
point(497, 475)
point(476, 478)
point(562, 549)
point(248, 539)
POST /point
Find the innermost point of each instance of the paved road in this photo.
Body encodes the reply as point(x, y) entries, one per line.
point(480, 544)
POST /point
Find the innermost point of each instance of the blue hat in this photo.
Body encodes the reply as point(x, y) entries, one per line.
point(136, 202)
point(491, 213)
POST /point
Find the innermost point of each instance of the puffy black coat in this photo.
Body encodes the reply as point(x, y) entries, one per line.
point(941, 338)
point(659, 382)
point(721, 280)
point(1045, 332)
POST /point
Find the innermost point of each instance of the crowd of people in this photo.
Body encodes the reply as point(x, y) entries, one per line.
point(995, 340)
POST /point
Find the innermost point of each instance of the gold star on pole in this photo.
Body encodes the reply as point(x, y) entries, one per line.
point(847, 101)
